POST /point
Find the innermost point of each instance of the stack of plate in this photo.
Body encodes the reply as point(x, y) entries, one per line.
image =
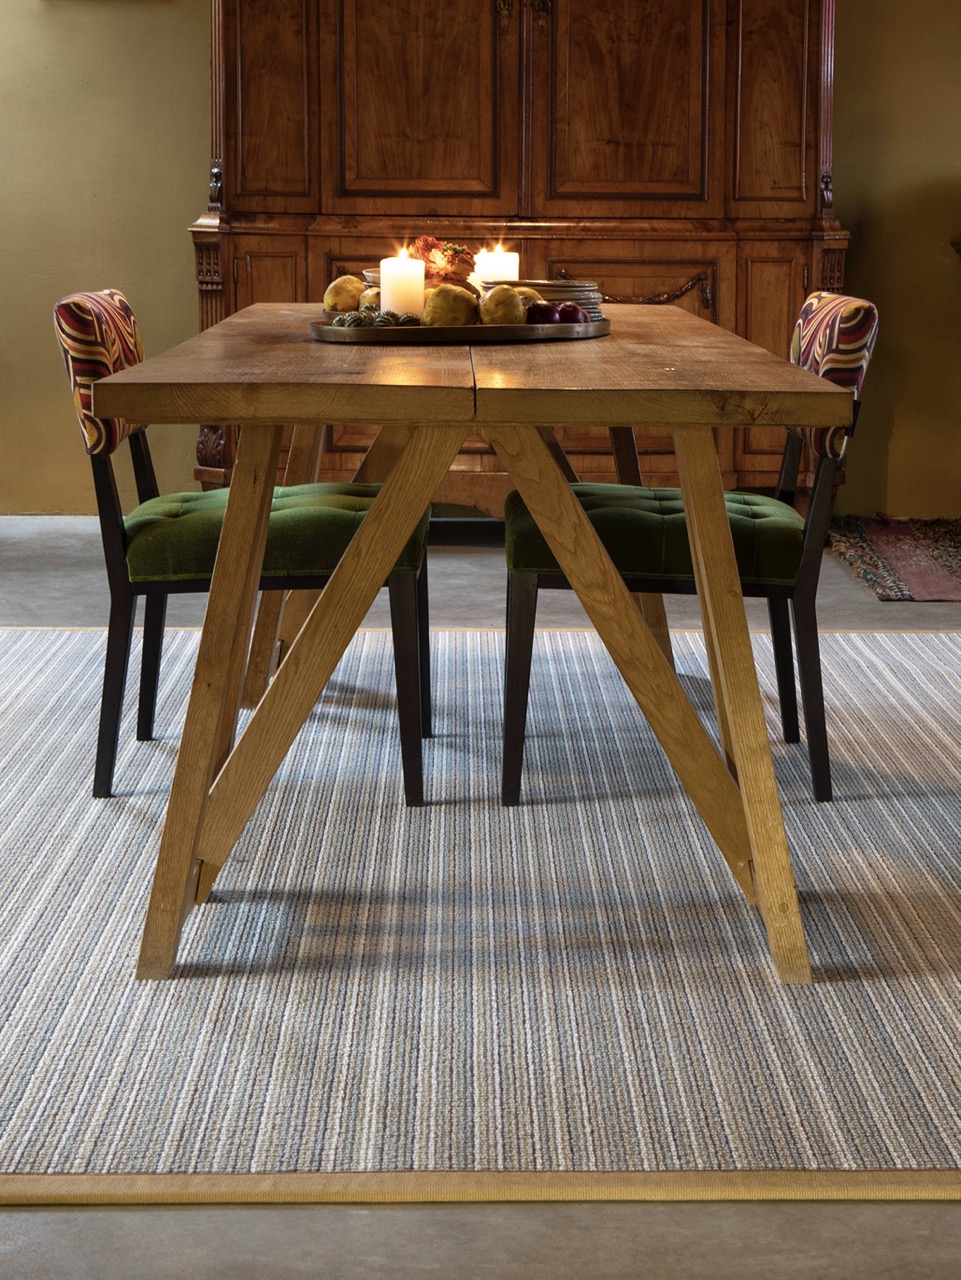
point(584, 292)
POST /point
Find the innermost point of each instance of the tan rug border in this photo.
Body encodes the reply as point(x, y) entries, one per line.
point(400, 1188)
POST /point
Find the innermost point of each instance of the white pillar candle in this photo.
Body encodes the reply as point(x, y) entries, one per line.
point(497, 264)
point(402, 284)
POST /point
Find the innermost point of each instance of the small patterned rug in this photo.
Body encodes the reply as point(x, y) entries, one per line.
point(566, 999)
point(902, 559)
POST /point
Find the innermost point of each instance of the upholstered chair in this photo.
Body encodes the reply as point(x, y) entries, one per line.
point(168, 542)
point(778, 550)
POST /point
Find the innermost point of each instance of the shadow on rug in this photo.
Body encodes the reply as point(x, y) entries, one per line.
point(902, 559)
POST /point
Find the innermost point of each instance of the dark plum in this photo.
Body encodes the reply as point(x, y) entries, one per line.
point(571, 313)
point(542, 312)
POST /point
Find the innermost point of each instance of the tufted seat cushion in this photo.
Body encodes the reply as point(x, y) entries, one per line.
point(645, 533)
point(174, 537)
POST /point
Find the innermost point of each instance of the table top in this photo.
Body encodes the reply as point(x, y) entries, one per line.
point(659, 364)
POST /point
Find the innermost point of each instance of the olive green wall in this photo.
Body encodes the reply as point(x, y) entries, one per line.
point(897, 184)
point(104, 154)
point(103, 157)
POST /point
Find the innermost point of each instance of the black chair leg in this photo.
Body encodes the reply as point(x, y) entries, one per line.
point(119, 636)
point(155, 614)
point(423, 642)
point(812, 696)
point(784, 667)
point(521, 617)
point(402, 589)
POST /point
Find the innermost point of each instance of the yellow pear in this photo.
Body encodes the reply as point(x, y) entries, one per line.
point(528, 294)
point(503, 305)
point(344, 293)
point(449, 304)
point(370, 297)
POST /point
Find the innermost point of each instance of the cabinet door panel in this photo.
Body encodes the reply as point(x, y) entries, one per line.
point(422, 109)
point(627, 108)
point(771, 291)
point(268, 269)
point(772, 94)
point(270, 157)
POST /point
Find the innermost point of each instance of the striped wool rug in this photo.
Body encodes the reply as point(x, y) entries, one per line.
point(566, 1000)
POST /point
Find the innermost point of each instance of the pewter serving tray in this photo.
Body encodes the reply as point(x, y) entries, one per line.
point(465, 334)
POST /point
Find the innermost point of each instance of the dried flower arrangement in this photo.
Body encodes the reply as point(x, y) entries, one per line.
point(442, 259)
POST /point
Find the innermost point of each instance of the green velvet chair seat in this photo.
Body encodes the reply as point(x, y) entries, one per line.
point(645, 534)
point(174, 537)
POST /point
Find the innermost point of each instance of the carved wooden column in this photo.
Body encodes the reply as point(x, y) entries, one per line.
point(829, 254)
point(212, 442)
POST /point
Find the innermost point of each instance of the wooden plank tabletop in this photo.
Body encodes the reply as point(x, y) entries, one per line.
point(659, 365)
point(262, 365)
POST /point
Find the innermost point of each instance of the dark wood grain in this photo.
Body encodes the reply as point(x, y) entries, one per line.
point(669, 149)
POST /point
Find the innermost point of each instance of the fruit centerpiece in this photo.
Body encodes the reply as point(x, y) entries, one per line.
point(450, 306)
point(447, 302)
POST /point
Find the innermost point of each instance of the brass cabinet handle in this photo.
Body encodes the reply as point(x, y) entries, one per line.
point(505, 9)
point(542, 8)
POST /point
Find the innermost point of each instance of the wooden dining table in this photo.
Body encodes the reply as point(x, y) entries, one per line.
point(261, 368)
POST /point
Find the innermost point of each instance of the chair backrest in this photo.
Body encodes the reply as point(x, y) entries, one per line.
point(99, 335)
point(834, 338)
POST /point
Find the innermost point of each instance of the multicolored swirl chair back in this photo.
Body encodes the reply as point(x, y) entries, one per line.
point(99, 335)
point(834, 338)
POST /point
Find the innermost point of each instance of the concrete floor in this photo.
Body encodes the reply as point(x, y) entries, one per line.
point(51, 575)
point(486, 1242)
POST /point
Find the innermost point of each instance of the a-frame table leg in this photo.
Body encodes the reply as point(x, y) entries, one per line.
point(743, 816)
point(738, 699)
point(376, 465)
point(266, 646)
point(638, 656)
point(214, 697)
point(234, 793)
point(651, 605)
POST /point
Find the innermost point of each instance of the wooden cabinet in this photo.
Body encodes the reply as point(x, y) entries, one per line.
point(676, 151)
